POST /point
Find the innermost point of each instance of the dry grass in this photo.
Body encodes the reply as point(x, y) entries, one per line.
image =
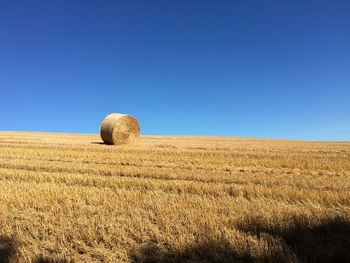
point(70, 198)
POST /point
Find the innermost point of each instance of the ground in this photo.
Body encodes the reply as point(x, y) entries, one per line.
point(70, 198)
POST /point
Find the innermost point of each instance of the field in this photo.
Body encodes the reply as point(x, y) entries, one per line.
point(70, 198)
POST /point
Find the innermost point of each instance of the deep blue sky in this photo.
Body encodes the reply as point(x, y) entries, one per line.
point(278, 69)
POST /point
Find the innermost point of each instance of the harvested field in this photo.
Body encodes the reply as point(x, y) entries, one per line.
point(70, 198)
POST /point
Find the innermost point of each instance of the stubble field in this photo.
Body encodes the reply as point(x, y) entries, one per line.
point(70, 198)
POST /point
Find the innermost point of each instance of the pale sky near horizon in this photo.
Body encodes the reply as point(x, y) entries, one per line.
point(275, 69)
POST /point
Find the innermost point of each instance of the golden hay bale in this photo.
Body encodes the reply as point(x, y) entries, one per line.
point(119, 128)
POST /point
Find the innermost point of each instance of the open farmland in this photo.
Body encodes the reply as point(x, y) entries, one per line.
point(67, 197)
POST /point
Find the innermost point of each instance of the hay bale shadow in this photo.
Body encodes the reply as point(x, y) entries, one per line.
point(8, 249)
point(98, 143)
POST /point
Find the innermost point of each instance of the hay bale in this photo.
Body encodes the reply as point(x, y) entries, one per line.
point(119, 128)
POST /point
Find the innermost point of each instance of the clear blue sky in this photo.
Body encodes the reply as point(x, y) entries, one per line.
point(278, 69)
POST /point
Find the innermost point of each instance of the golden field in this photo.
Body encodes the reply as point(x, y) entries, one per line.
point(70, 198)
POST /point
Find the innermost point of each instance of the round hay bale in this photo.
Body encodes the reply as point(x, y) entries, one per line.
point(119, 128)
